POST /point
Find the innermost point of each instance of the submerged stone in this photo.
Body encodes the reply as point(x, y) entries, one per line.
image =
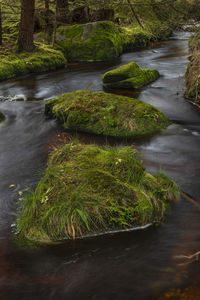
point(42, 59)
point(88, 190)
point(1, 117)
point(106, 114)
point(98, 41)
point(129, 76)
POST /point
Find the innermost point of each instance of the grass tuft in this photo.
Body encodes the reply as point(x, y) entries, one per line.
point(87, 189)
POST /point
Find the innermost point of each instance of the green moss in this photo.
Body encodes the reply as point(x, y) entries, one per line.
point(87, 190)
point(100, 41)
point(106, 114)
point(42, 59)
point(129, 76)
point(97, 41)
point(137, 37)
point(1, 117)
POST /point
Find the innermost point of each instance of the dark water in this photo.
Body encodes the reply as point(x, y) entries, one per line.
point(136, 265)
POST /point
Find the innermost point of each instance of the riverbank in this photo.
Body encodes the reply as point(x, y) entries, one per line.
point(97, 41)
point(42, 59)
point(192, 76)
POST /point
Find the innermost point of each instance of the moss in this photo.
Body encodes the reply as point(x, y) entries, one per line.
point(42, 59)
point(1, 117)
point(137, 37)
point(129, 76)
point(97, 41)
point(88, 189)
point(101, 41)
point(106, 114)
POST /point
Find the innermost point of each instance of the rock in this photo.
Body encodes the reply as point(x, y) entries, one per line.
point(88, 190)
point(98, 41)
point(80, 15)
point(129, 76)
point(1, 117)
point(103, 15)
point(106, 114)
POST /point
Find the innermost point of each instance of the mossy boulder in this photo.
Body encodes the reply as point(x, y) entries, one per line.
point(88, 190)
point(129, 76)
point(98, 41)
point(42, 59)
point(106, 114)
point(1, 117)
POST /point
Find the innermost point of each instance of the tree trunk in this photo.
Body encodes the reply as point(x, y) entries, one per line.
point(25, 38)
point(0, 27)
point(134, 13)
point(46, 4)
point(62, 11)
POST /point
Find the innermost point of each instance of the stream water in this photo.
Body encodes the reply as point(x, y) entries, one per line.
point(135, 265)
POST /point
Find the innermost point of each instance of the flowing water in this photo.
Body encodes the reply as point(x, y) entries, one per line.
point(136, 265)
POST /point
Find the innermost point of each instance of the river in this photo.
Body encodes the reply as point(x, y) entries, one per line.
point(136, 265)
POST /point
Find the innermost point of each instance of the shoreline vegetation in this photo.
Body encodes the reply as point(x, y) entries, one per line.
point(97, 41)
point(192, 75)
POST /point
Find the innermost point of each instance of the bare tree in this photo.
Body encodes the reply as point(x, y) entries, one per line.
point(25, 38)
point(134, 13)
point(46, 2)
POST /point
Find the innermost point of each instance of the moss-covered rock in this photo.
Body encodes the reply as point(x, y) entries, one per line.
point(1, 117)
point(42, 59)
point(136, 37)
point(98, 41)
point(106, 114)
point(129, 76)
point(87, 189)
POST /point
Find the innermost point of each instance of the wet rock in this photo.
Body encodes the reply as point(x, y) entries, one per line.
point(1, 117)
point(129, 76)
point(106, 114)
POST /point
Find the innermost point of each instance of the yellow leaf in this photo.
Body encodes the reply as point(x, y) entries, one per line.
point(12, 185)
point(20, 193)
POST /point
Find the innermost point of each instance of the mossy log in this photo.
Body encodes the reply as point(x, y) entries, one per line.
point(106, 114)
point(129, 76)
point(89, 190)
